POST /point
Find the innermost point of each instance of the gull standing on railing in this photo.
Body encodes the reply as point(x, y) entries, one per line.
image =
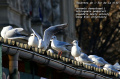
point(59, 46)
point(33, 40)
point(75, 50)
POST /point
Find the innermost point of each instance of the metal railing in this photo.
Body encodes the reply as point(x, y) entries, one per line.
point(65, 64)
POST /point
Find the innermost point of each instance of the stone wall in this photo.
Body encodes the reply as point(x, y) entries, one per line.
point(68, 17)
point(33, 13)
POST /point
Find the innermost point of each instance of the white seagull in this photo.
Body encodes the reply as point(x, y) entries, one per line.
point(83, 58)
point(99, 61)
point(98, 58)
point(109, 68)
point(59, 46)
point(9, 32)
point(75, 50)
point(33, 40)
point(48, 33)
point(116, 66)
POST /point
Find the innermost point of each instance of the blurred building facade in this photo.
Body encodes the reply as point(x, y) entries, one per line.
point(39, 15)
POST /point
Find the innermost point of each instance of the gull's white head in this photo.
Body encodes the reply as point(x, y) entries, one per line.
point(4, 30)
point(32, 34)
point(75, 42)
point(53, 38)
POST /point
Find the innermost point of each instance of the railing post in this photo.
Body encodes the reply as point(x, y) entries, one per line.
point(13, 66)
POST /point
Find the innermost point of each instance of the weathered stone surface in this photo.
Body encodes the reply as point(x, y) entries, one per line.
point(19, 13)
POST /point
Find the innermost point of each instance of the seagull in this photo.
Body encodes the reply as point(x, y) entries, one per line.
point(109, 68)
point(83, 58)
point(59, 46)
point(48, 33)
point(116, 66)
point(33, 40)
point(75, 50)
point(9, 32)
point(95, 57)
point(98, 62)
